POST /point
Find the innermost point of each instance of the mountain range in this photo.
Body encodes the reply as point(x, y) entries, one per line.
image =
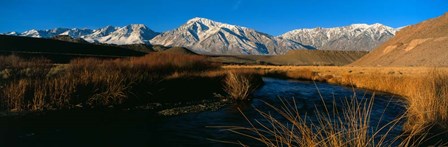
point(130, 34)
point(206, 36)
point(356, 37)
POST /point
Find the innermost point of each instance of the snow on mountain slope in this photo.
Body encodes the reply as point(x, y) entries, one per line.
point(76, 33)
point(130, 34)
point(354, 37)
point(40, 33)
point(98, 33)
point(11, 33)
point(209, 37)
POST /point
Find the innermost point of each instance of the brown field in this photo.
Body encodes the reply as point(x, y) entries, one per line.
point(295, 57)
point(39, 85)
point(424, 88)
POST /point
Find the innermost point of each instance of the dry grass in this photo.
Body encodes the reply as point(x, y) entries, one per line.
point(424, 88)
point(13, 67)
point(14, 95)
point(350, 126)
point(89, 82)
point(17, 62)
point(239, 86)
point(428, 100)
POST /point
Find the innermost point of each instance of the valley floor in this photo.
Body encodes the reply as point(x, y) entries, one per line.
point(37, 85)
point(346, 70)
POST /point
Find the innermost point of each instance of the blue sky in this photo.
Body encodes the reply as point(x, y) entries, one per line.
point(270, 16)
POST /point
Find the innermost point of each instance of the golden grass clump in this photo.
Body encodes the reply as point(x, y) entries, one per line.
point(428, 101)
point(14, 95)
point(240, 85)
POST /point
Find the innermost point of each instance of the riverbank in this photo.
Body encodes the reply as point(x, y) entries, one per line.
point(424, 88)
point(35, 85)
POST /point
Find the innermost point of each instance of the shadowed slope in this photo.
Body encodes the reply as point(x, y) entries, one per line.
point(60, 51)
point(180, 50)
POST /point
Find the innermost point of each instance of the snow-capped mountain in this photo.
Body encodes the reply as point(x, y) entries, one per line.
point(75, 32)
point(98, 33)
point(354, 37)
point(210, 37)
point(11, 33)
point(130, 34)
point(42, 33)
point(206, 36)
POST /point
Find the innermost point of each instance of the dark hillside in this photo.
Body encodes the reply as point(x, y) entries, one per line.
point(59, 51)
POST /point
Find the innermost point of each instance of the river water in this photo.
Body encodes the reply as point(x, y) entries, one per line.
point(140, 128)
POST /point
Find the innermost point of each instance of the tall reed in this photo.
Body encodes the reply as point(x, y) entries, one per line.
point(426, 94)
point(330, 127)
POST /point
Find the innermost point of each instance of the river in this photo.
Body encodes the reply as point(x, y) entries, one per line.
point(140, 128)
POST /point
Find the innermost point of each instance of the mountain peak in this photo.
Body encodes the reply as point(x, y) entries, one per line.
point(137, 26)
point(206, 36)
point(359, 25)
point(12, 33)
point(363, 25)
point(32, 30)
point(379, 25)
point(200, 19)
point(130, 34)
point(206, 23)
point(108, 27)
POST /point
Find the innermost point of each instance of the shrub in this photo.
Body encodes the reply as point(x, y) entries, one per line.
point(239, 86)
point(14, 95)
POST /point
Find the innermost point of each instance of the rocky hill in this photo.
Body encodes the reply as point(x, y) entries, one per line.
point(423, 44)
